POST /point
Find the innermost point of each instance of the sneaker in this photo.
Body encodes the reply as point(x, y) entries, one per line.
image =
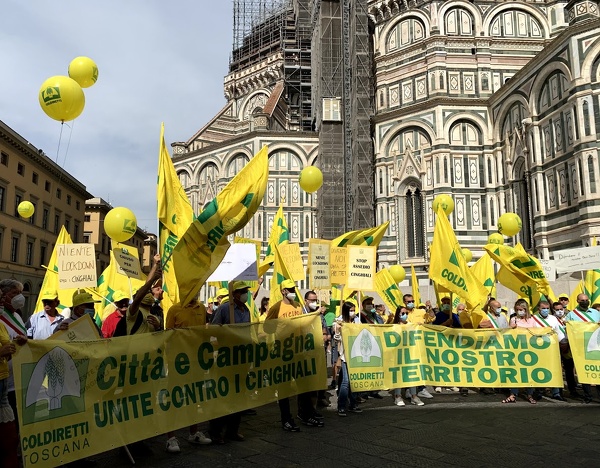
point(354, 409)
point(398, 401)
point(416, 401)
point(424, 394)
point(173, 445)
point(290, 426)
point(318, 415)
point(438, 389)
point(342, 412)
point(199, 439)
point(311, 421)
point(454, 389)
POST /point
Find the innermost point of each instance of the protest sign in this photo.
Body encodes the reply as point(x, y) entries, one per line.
point(127, 263)
point(293, 260)
point(394, 356)
point(82, 329)
point(318, 263)
point(584, 340)
point(361, 268)
point(339, 265)
point(580, 259)
point(239, 264)
point(82, 398)
point(76, 266)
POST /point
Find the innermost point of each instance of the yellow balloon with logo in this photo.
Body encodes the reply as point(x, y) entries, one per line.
point(496, 238)
point(398, 273)
point(311, 179)
point(61, 98)
point(26, 209)
point(509, 224)
point(467, 254)
point(120, 224)
point(84, 71)
point(445, 201)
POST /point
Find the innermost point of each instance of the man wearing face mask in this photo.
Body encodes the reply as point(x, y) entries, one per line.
point(369, 314)
point(496, 319)
point(445, 317)
point(545, 319)
point(565, 351)
point(311, 304)
point(42, 324)
point(83, 303)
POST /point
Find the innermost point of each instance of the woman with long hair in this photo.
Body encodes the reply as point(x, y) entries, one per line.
point(344, 393)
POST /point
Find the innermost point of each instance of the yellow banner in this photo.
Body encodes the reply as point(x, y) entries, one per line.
point(293, 260)
point(361, 267)
point(584, 340)
point(387, 288)
point(339, 265)
point(79, 399)
point(318, 263)
point(393, 356)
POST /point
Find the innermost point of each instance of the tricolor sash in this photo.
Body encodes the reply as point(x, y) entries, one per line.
point(583, 316)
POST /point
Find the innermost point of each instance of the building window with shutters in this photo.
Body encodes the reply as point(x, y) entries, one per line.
point(332, 109)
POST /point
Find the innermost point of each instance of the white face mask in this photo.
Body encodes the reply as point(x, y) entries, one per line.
point(313, 305)
point(244, 297)
point(498, 311)
point(18, 302)
point(291, 296)
point(559, 313)
point(521, 313)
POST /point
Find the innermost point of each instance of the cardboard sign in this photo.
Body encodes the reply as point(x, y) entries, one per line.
point(293, 260)
point(581, 259)
point(127, 263)
point(339, 265)
point(239, 264)
point(82, 329)
point(76, 266)
point(318, 263)
point(361, 267)
point(549, 267)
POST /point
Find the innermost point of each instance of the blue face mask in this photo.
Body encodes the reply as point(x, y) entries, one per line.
point(544, 312)
point(403, 317)
point(90, 312)
point(445, 307)
point(410, 305)
point(373, 311)
point(498, 311)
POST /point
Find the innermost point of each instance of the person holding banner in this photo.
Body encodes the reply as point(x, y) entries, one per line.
point(311, 304)
point(9, 440)
point(522, 319)
point(83, 303)
point(42, 324)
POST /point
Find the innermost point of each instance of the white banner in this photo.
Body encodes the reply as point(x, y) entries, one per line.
point(581, 259)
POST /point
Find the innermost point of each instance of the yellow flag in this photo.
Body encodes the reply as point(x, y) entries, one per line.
point(371, 236)
point(279, 235)
point(448, 266)
point(50, 282)
point(281, 272)
point(415, 286)
point(204, 245)
point(388, 290)
point(175, 215)
point(483, 270)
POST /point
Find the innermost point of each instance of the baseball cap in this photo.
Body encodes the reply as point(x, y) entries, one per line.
point(49, 295)
point(222, 292)
point(287, 284)
point(366, 298)
point(119, 295)
point(237, 285)
point(82, 297)
point(566, 296)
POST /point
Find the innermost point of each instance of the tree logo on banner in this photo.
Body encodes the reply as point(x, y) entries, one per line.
point(592, 345)
point(55, 386)
point(365, 350)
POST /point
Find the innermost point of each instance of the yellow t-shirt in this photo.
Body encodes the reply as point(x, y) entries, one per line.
point(191, 315)
point(418, 316)
point(4, 339)
point(281, 310)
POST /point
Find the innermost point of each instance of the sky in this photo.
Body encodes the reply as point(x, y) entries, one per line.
point(157, 62)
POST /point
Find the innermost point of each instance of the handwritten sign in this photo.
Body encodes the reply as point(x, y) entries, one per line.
point(293, 260)
point(361, 267)
point(339, 265)
point(76, 266)
point(127, 263)
point(549, 267)
point(82, 329)
point(318, 261)
point(581, 259)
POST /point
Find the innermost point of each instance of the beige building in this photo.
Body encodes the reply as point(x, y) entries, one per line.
point(26, 173)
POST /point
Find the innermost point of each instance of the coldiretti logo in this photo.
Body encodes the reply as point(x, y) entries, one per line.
point(592, 345)
point(51, 95)
point(365, 350)
point(55, 386)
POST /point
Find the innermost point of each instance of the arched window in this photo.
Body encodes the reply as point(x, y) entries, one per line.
point(489, 171)
point(184, 178)
point(380, 181)
point(405, 33)
point(586, 118)
point(236, 165)
point(458, 22)
point(445, 170)
point(415, 243)
point(260, 231)
point(592, 174)
point(306, 228)
point(492, 212)
point(515, 23)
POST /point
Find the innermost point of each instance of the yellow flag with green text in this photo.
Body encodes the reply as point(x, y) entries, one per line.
point(279, 235)
point(281, 272)
point(483, 270)
point(371, 236)
point(65, 296)
point(175, 215)
point(415, 286)
point(448, 267)
point(204, 245)
point(388, 290)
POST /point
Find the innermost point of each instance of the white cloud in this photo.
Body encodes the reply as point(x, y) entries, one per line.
point(158, 61)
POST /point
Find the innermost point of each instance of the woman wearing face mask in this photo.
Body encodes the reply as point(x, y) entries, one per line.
point(521, 319)
point(345, 394)
point(401, 318)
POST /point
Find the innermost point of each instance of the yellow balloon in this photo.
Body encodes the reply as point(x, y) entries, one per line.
point(61, 98)
point(496, 238)
point(84, 71)
point(398, 273)
point(120, 224)
point(509, 224)
point(445, 201)
point(311, 179)
point(26, 209)
point(467, 254)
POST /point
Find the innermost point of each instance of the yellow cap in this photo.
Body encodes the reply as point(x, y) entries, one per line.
point(119, 295)
point(49, 295)
point(237, 285)
point(287, 284)
point(222, 292)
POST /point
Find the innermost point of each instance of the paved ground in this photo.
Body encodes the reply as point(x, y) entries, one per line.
point(450, 430)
